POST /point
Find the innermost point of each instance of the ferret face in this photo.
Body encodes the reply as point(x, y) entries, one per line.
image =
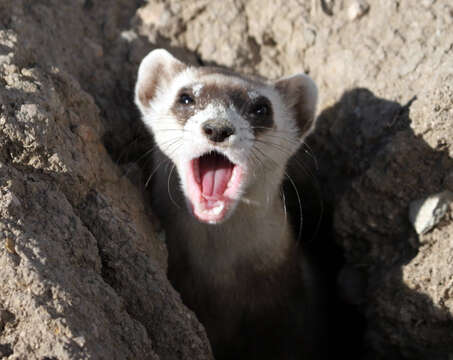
point(226, 134)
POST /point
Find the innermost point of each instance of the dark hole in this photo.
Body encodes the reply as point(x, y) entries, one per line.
point(5, 350)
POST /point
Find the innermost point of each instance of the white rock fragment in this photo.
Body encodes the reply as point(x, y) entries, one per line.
point(357, 9)
point(426, 213)
point(428, 3)
point(129, 35)
point(9, 200)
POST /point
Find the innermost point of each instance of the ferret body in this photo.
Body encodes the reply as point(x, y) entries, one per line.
point(224, 142)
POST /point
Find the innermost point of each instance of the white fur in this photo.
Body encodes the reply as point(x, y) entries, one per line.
point(255, 241)
point(197, 88)
point(183, 143)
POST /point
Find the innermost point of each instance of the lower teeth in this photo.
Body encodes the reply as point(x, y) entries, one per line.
point(215, 210)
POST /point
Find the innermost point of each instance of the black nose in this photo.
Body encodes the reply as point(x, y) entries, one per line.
point(217, 131)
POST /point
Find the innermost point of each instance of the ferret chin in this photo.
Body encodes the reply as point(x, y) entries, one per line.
point(224, 142)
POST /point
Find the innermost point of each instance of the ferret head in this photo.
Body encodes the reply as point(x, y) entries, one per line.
point(229, 136)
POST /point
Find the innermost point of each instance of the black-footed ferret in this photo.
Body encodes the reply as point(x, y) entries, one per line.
point(232, 254)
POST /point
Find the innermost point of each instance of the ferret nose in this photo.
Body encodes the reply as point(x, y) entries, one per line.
point(217, 131)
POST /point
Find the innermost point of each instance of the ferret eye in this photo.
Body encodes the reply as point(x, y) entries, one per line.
point(186, 99)
point(260, 110)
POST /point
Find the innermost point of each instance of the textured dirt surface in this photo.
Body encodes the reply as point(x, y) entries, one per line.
point(82, 270)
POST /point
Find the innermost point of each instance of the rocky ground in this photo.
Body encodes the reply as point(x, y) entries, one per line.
point(82, 270)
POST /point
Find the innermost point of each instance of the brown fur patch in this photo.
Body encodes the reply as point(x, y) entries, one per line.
point(148, 88)
point(295, 99)
point(184, 112)
point(159, 75)
point(178, 67)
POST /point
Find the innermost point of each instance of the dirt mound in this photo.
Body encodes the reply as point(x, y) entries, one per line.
point(82, 272)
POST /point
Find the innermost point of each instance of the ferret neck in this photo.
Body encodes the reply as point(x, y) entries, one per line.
point(257, 233)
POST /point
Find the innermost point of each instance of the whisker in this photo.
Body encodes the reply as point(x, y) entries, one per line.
point(301, 218)
point(284, 211)
point(154, 171)
point(125, 147)
point(263, 155)
point(168, 187)
point(156, 147)
point(293, 185)
point(274, 131)
point(167, 159)
point(275, 135)
point(283, 149)
point(264, 167)
point(140, 158)
point(169, 129)
point(304, 168)
point(310, 153)
point(270, 128)
point(291, 155)
point(318, 191)
point(258, 160)
point(283, 138)
point(256, 148)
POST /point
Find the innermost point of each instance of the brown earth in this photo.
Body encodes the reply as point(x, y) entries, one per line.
point(82, 269)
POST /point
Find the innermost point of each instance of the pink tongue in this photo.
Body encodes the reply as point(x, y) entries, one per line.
point(215, 173)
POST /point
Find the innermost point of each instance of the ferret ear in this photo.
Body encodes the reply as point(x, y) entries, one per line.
point(155, 72)
point(300, 94)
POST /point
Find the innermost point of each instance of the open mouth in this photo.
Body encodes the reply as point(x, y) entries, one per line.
point(213, 186)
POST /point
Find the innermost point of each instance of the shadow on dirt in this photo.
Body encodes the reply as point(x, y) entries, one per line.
point(369, 166)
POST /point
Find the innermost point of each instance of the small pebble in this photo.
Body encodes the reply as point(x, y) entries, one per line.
point(357, 9)
point(10, 245)
point(428, 3)
point(425, 214)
